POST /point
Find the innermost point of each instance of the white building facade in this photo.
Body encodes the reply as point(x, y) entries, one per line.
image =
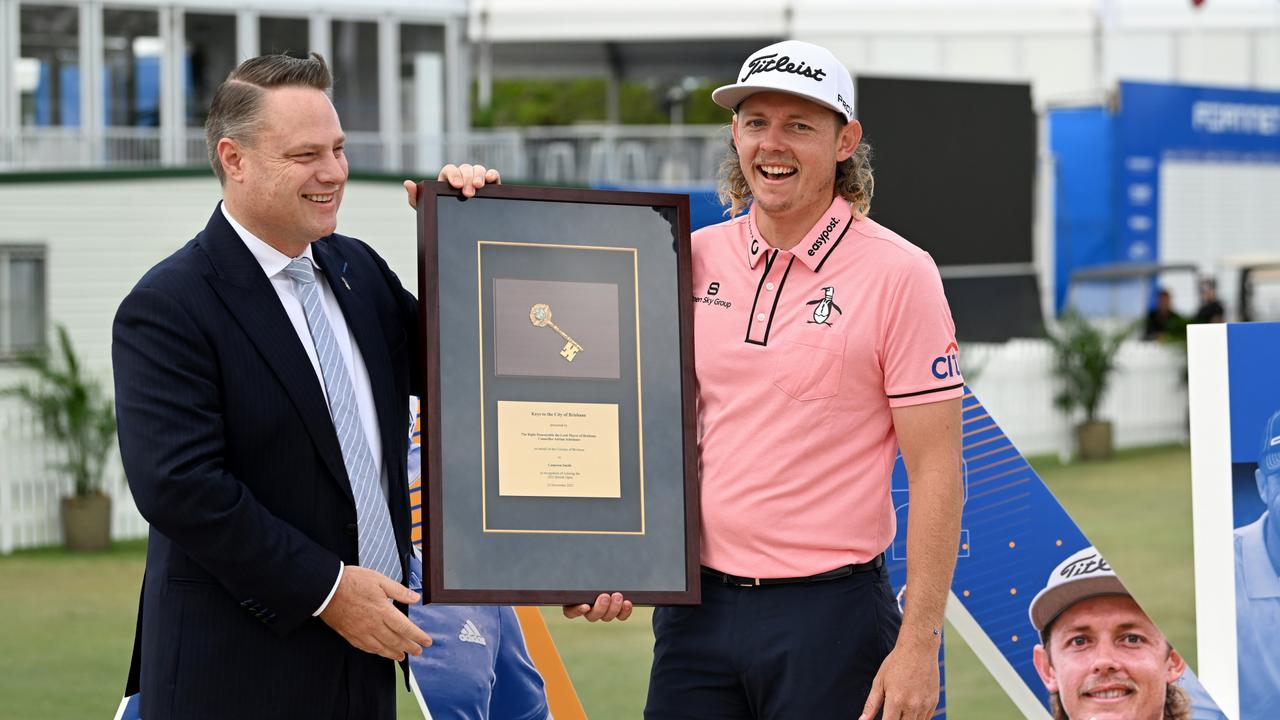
point(90, 83)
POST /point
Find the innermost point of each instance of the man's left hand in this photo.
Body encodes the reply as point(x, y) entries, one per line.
point(907, 684)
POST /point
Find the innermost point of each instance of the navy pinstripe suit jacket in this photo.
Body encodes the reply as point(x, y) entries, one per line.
point(232, 457)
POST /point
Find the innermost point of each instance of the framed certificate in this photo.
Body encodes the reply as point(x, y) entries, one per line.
point(560, 442)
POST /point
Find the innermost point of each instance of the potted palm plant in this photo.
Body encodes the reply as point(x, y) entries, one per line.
point(75, 414)
point(1084, 360)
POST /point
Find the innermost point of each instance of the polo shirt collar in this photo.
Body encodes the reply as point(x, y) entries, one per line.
point(272, 260)
point(818, 244)
point(1260, 578)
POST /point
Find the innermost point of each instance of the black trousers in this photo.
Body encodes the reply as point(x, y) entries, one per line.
point(365, 689)
point(804, 650)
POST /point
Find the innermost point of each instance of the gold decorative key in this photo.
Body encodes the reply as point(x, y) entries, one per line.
point(540, 316)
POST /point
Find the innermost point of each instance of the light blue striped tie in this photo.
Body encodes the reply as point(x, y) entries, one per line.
point(376, 540)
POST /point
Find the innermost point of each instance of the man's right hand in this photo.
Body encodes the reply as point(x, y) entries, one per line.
point(465, 178)
point(608, 607)
point(361, 613)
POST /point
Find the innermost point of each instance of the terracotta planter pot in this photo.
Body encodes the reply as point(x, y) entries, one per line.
point(1093, 440)
point(86, 522)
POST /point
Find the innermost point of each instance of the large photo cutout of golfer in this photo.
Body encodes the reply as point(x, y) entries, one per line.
point(1235, 442)
point(1101, 656)
point(1257, 568)
point(1041, 607)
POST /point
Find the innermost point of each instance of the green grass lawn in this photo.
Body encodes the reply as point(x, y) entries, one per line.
point(66, 630)
point(66, 620)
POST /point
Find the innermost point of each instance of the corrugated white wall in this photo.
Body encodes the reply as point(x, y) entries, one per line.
point(101, 236)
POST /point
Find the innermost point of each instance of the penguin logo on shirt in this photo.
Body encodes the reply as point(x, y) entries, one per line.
point(825, 304)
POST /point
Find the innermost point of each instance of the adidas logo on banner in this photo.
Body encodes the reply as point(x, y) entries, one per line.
point(470, 633)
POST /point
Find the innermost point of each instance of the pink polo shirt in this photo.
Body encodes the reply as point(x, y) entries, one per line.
point(800, 355)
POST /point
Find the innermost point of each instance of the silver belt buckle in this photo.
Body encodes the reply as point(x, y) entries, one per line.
point(755, 582)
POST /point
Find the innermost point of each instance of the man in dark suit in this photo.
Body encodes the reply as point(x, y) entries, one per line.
point(262, 380)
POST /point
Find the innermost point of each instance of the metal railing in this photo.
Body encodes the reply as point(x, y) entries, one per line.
point(569, 155)
point(69, 148)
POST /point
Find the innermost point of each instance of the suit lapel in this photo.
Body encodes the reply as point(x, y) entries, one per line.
point(251, 299)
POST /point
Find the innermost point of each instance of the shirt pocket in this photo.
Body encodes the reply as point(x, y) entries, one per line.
point(809, 372)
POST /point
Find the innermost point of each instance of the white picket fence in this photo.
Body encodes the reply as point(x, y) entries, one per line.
point(31, 493)
point(1147, 401)
point(1147, 404)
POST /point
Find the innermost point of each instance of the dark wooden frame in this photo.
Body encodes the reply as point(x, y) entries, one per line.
point(429, 333)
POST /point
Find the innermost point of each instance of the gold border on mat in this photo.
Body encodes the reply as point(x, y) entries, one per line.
point(635, 286)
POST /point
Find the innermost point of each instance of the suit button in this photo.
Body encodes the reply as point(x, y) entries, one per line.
point(351, 529)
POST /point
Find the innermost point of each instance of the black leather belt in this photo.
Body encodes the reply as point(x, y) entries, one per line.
point(840, 572)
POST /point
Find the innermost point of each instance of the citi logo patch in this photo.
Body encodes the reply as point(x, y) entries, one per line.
point(947, 365)
point(471, 634)
point(823, 237)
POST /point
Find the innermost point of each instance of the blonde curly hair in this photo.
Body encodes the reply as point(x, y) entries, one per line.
point(855, 181)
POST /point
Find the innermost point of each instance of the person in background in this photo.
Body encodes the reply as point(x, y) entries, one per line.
point(1211, 310)
point(1162, 321)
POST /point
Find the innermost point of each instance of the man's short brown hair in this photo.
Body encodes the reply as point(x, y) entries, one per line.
point(236, 111)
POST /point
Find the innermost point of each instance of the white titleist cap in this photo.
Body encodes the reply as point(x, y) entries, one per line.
point(795, 67)
point(1082, 576)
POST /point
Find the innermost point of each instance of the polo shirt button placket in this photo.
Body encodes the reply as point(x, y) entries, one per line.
point(777, 265)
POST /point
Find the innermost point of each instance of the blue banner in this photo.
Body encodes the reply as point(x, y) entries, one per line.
point(1107, 163)
point(1156, 121)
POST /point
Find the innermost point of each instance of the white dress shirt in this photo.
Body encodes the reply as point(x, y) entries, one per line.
point(273, 263)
